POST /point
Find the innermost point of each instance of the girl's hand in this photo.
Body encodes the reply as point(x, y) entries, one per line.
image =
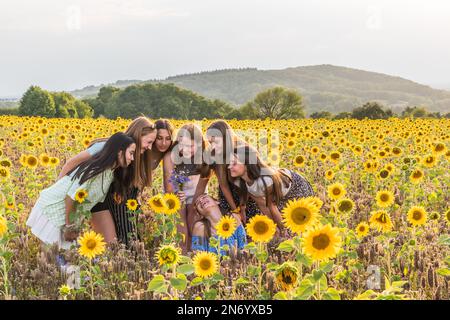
point(182, 196)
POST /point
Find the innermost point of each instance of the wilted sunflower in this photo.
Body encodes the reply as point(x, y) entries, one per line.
point(287, 276)
point(168, 255)
point(299, 214)
point(91, 245)
point(31, 162)
point(362, 229)
point(381, 221)
point(158, 204)
point(173, 203)
point(261, 228)
point(416, 176)
point(5, 163)
point(384, 198)
point(336, 191)
point(226, 227)
point(417, 216)
point(205, 264)
point(132, 204)
point(3, 226)
point(322, 242)
point(345, 205)
point(81, 195)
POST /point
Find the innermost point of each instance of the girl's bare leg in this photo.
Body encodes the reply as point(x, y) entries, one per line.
point(102, 222)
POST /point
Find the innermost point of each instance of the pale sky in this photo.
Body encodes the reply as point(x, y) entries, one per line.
point(66, 45)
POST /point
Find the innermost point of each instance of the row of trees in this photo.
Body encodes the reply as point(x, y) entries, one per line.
point(39, 102)
point(169, 101)
point(374, 110)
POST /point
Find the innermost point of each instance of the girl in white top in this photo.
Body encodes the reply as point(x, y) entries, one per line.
point(270, 188)
point(50, 218)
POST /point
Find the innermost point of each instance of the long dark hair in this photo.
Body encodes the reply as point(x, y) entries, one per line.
point(107, 158)
point(257, 168)
point(162, 124)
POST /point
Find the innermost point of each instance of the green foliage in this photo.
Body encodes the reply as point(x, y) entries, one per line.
point(37, 102)
point(371, 110)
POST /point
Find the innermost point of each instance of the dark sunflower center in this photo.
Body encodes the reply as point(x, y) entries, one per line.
point(205, 264)
point(384, 197)
point(91, 244)
point(226, 226)
point(417, 215)
point(345, 206)
point(261, 227)
point(171, 204)
point(321, 242)
point(300, 215)
point(336, 191)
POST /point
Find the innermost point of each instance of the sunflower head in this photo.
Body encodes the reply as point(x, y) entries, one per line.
point(384, 198)
point(31, 162)
point(261, 228)
point(132, 204)
point(173, 203)
point(299, 161)
point(299, 214)
point(81, 195)
point(4, 173)
point(168, 255)
point(447, 216)
point(158, 204)
point(336, 191)
point(345, 205)
point(381, 221)
point(205, 264)
point(417, 216)
point(362, 229)
point(416, 176)
point(322, 242)
point(226, 227)
point(287, 276)
point(91, 244)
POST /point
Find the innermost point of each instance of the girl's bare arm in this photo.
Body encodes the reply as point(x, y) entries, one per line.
point(73, 163)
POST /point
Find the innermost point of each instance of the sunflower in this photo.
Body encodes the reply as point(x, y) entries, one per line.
point(3, 226)
point(54, 161)
point(447, 216)
point(173, 203)
point(261, 228)
point(91, 244)
point(429, 161)
point(168, 255)
point(417, 216)
point(439, 149)
point(345, 205)
point(315, 201)
point(62, 138)
point(336, 191)
point(31, 162)
point(299, 161)
point(81, 195)
point(384, 198)
point(158, 204)
point(362, 229)
point(132, 204)
point(226, 227)
point(299, 214)
point(291, 144)
point(416, 176)
point(44, 160)
point(322, 242)
point(381, 221)
point(205, 264)
point(329, 175)
point(5, 163)
point(383, 174)
point(4, 173)
point(335, 157)
point(286, 276)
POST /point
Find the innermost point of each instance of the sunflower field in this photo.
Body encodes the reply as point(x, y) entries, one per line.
point(377, 227)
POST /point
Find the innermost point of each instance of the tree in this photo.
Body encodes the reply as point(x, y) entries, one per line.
point(343, 115)
point(83, 109)
point(278, 103)
point(37, 102)
point(64, 105)
point(371, 110)
point(321, 115)
point(415, 112)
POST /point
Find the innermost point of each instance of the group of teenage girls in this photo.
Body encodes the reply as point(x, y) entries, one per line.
point(115, 169)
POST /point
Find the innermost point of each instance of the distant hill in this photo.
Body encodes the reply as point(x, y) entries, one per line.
point(324, 87)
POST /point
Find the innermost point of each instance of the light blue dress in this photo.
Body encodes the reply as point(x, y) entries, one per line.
point(238, 239)
point(48, 214)
point(96, 147)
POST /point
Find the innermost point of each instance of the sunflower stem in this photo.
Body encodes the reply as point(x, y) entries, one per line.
point(91, 280)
